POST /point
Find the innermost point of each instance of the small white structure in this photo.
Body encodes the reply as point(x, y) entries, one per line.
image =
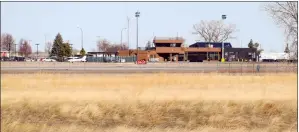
point(273, 56)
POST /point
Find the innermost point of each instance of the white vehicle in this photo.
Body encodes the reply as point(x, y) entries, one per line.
point(48, 60)
point(77, 59)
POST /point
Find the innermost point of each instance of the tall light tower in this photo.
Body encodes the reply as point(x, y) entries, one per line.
point(137, 14)
point(36, 51)
point(222, 58)
point(121, 37)
point(81, 36)
point(128, 32)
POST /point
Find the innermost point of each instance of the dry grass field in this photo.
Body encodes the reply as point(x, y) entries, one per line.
point(148, 102)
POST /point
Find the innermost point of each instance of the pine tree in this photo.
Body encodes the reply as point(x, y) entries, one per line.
point(250, 45)
point(287, 50)
point(256, 45)
point(58, 48)
point(67, 49)
point(82, 52)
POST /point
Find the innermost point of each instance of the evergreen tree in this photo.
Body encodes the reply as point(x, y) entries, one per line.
point(250, 45)
point(82, 52)
point(256, 45)
point(58, 48)
point(287, 50)
point(67, 49)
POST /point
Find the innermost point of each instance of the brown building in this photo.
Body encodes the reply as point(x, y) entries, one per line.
point(172, 49)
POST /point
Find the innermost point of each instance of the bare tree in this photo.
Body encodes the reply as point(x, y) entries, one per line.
point(24, 49)
point(7, 42)
point(214, 31)
point(123, 46)
point(285, 14)
point(116, 47)
point(48, 47)
point(106, 46)
point(103, 45)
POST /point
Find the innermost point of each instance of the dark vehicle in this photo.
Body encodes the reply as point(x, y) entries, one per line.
point(4, 58)
point(18, 58)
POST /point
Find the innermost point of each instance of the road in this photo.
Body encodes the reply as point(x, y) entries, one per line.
point(15, 67)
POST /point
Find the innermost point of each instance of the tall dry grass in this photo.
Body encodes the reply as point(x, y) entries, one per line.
point(148, 102)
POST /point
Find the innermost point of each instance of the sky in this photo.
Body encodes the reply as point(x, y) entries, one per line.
point(41, 21)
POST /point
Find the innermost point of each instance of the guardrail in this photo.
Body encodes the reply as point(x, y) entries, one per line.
point(228, 67)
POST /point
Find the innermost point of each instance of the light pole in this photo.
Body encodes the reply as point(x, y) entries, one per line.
point(128, 32)
point(23, 49)
point(137, 14)
point(222, 58)
point(36, 51)
point(16, 50)
point(46, 42)
point(81, 36)
point(121, 37)
point(71, 50)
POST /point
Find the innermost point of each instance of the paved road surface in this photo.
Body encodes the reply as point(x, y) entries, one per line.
point(135, 70)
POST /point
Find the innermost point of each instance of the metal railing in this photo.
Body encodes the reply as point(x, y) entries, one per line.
point(228, 67)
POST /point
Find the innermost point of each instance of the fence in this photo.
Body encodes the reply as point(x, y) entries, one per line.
point(153, 67)
point(111, 59)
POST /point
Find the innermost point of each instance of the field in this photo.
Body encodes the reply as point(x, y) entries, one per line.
point(148, 102)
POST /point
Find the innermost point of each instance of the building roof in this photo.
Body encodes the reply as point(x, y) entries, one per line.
point(215, 44)
point(168, 40)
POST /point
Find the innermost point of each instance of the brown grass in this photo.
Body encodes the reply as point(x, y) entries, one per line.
point(151, 102)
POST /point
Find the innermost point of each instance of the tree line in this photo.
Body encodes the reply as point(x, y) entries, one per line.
point(58, 48)
point(8, 44)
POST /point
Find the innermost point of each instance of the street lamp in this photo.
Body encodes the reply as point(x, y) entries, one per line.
point(137, 14)
point(71, 50)
point(81, 35)
point(121, 37)
point(15, 49)
point(128, 32)
point(222, 58)
point(36, 51)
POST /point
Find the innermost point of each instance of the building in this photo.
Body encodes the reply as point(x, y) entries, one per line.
point(173, 50)
point(40, 55)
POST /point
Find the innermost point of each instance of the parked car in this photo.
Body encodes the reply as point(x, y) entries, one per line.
point(4, 58)
point(19, 58)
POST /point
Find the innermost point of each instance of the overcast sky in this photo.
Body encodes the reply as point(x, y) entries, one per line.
point(34, 20)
